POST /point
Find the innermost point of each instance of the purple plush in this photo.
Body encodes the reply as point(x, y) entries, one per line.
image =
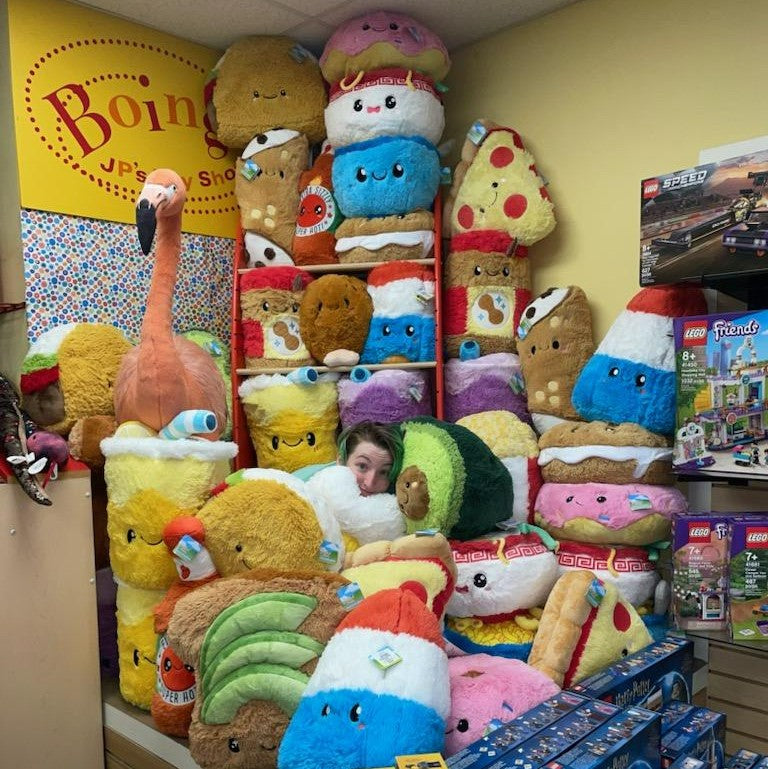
point(489, 383)
point(389, 395)
point(106, 612)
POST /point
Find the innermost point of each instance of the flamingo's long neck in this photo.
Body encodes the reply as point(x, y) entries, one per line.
point(157, 323)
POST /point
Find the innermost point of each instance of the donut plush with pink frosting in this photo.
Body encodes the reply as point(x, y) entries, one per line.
point(605, 513)
point(383, 39)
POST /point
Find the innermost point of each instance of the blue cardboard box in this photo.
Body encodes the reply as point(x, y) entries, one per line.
point(660, 672)
point(630, 740)
point(701, 734)
point(743, 759)
point(673, 712)
point(688, 762)
point(490, 748)
point(555, 740)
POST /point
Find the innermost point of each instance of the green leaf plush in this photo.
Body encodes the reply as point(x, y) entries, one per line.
point(451, 481)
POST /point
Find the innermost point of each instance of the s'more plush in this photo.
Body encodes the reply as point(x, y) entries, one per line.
point(554, 341)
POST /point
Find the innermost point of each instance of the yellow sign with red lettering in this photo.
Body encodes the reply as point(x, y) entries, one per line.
point(99, 102)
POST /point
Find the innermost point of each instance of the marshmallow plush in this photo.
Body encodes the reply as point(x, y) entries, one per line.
point(385, 102)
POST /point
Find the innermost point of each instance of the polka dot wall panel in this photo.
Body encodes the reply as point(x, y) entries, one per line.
point(88, 270)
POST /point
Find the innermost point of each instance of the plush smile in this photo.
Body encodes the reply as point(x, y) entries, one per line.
point(492, 274)
point(293, 445)
point(378, 178)
point(152, 544)
point(245, 563)
point(462, 588)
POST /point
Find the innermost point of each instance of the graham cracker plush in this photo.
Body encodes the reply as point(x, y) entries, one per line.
point(269, 306)
point(554, 341)
point(502, 582)
point(514, 443)
point(270, 519)
point(383, 39)
point(386, 238)
point(267, 184)
point(451, 481)
point(586, 626)
point(601, 452)
point(254, 641)
point(292, 424)
point(386, 175)
point(334, 317)
point(603, 513)
point(486, 290)
point(150, 482)
point(264, 82)
point(314, 240)
point(496, 187)
point(488, 383)
point(384, 102)
point(387, 564)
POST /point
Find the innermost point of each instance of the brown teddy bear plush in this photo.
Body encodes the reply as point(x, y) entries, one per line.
point(334, 317)
point(267, 184)
point(264, 82)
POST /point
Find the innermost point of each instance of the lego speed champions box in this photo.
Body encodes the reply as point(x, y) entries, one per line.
point(707, 221)
point(722, 394)
point(660, 672)
point(748, 579)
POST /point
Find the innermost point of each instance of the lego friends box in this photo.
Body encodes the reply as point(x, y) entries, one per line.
point(722, 398)
point(705, 222)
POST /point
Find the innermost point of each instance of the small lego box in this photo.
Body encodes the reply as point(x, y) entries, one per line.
point(672, 712)
point(630, 740)
point(701, 734)
point(762, 763)
point(743, 759)
point(648, 678)
point(688, 762)
point(722, 394)
point(748, 578)
point(709, 220)
point(700, 571)
point(555, 740)
point(492, 746)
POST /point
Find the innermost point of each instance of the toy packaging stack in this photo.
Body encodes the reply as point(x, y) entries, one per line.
point(748, 578)
point(699, 734)
point(721, 422)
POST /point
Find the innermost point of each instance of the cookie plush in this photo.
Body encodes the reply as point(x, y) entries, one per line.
point(385, 176)
point(384, 102)
point(265, 82)
point(383, 39)
point(601, 452)
point(554, 341)
point(602, 513)
point(386, 238)
point(262, 252)
point(267, 184)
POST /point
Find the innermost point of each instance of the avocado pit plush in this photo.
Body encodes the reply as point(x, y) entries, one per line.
point(412, 493)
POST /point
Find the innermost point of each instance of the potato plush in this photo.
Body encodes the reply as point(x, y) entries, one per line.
point(267, 184)
point(265, 82)
point(334, 317)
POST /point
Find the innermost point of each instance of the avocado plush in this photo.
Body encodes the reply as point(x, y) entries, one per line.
point(451, 481)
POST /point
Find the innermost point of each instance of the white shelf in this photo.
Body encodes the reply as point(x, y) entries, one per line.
point(430, 364)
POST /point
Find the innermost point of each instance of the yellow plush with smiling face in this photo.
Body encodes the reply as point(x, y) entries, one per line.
point(150, 482)
point(291, 424)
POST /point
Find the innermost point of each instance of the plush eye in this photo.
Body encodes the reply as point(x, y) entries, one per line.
point(366, 26)
point(386, 331)
point(265, 306)
point(410, 330)
point(480, 579)
point(614, 371)
point(136, 657)
point(600, 499)
point(318, 210)
point(390, 102)
point(282, 92)
point(270, 253)
point(361, 175)
point(275, 442)
point(354, 712)
point(167, 665)
point(397, 170)
point(478, 269)
point(346, 302)
point(326, 710)
point(624, 652)
point(462, 725)
point(189, 668)
point(233, 745)
point(255, 94)
point(505, 272)
point(640, 380)
point(569, 498)
point(130, 535)
point(533, 349)
point(295, 307)
point(302, 211)
point(311, 440)
point(494, 185)
point(393, 26)
point(238, 548)
point(281, 174)
point(358, 105)
point(555, 344)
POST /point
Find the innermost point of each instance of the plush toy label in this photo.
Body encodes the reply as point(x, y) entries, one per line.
point(385, 658)
point(329, 552)
point(188, 548)
point(317, 211)
point(350, 595)
point(490, 312)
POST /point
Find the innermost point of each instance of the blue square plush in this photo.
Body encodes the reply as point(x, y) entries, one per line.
point(385, 176)
point(395, 340)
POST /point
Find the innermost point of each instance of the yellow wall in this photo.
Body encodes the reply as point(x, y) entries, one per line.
point(605, 93)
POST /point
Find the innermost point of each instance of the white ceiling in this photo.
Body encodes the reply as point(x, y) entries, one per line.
point(217, 23)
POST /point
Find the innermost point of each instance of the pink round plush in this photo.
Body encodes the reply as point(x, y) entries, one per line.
point(488, 691)
point(383, 39)
point(606, 513)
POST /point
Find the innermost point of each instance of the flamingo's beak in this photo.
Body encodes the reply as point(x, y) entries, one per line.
point(146, 223)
